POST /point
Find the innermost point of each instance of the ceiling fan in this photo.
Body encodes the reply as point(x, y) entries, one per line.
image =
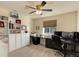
point(39, 9)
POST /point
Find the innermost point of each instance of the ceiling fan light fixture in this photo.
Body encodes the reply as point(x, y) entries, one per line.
point(38, 12)
point(38, 9)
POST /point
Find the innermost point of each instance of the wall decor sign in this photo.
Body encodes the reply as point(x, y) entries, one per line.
point(18, 21)
point(3, 18)
point(1, 24)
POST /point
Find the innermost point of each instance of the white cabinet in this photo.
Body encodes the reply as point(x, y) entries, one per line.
point(3, 49)
point(11, 42)
point(23, 39)
point(18, 41)
point(27, 39)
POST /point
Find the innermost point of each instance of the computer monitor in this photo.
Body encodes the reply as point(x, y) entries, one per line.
point(58, 33)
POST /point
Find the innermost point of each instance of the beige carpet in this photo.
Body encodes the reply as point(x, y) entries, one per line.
point(35, 51)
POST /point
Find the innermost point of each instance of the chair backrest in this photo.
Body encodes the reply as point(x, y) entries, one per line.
point(56, 39)
point(76, 36)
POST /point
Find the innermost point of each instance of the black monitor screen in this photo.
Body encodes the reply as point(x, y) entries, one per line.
point(58, 33)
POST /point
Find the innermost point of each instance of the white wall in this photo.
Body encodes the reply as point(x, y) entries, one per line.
point(65, 22)
point(4, 11)
point(78, 20)
point(26, 20)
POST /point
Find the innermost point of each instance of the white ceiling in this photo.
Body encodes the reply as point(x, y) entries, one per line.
point(57, 6)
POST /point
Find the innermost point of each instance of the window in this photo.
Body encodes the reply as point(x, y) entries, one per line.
point(49, 30)
point(46, 30)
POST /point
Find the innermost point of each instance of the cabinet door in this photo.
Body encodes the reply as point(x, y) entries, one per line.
point(18, 41)
point(3, 49)
point(23, 37)
point(27, 39)
point(11, 42)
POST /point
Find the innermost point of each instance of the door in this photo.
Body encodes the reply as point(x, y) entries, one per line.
point(18, 41)
point(11, 42)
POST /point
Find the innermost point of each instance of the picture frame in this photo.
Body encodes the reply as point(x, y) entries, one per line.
point(3, 18)
point(18, 21)
point(1, 24)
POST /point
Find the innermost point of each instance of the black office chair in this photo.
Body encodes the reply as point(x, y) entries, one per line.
point(68, 43)
point(56, 37)
point(76, 37)
point(76, 40)
point(54, 42)
point(57, 42)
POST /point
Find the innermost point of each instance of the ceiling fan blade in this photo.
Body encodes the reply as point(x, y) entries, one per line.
point(47, 10)
point(32, 12)
point(43, 3)
point(30, 7)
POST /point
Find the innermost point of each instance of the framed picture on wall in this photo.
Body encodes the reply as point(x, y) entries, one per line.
point(18, 21)
point(3, 18)
point(1, 24)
